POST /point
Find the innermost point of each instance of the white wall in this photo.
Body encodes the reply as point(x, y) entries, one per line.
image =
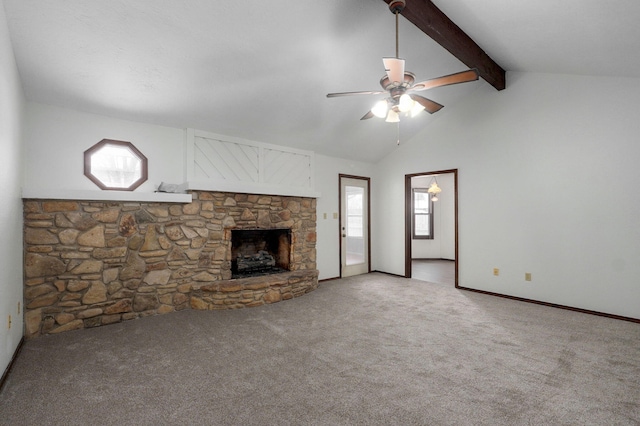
point(327, 182)
point(547, 173)
point(442, 246)
point(11, 123)
point(57, 138)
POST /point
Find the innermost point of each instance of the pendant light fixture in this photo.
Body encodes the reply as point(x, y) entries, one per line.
point(434, 189)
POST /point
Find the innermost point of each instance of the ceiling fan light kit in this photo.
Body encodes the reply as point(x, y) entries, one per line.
point(393, 116)
point(380, 109)
point(399, 86)
point(406, 104)
point(417, 109)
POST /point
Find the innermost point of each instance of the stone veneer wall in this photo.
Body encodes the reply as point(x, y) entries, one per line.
point(94, 263)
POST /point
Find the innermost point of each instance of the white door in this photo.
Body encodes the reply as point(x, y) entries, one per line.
point(354, 225)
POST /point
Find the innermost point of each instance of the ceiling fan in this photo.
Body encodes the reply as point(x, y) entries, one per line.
point(401, 87)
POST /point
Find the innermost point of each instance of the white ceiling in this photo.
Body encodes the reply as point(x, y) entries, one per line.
point(260, 70)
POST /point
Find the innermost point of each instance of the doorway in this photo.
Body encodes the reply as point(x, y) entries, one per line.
point(355, 232)
point(448, 197)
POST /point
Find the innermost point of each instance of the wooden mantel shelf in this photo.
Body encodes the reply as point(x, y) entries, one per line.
point(89, 195)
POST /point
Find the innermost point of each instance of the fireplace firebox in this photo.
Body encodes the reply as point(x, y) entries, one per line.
point(257, 252)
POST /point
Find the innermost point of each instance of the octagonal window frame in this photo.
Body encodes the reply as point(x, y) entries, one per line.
point(88, 154)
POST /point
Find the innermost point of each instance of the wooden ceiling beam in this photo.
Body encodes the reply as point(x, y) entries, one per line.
point(434, 23)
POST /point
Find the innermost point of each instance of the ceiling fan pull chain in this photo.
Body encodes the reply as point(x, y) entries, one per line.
point(398, 141)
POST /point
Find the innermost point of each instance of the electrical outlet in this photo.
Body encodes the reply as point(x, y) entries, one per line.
point(18, 308)
point(324, 215)
point(496, 271)
point(335, 215)
point(527, 276)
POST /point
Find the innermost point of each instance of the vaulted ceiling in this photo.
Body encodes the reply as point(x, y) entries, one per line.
point(260, 70)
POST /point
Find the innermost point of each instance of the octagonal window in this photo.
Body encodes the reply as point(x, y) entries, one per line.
point(115, 165)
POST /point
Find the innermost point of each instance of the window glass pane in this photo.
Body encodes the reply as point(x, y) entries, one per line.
point(116, 166)
point(422, 225)
point(421, 202)
point(355, 198)
point(354, 226)
point(354, 204)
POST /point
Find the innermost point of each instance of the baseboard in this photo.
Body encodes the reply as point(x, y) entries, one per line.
point(328, 279)
point(7, 370)
point(433, 258)
point(552, 305)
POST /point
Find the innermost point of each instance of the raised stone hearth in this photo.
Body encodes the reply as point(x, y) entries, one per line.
point(254, 291)
point(94, 263)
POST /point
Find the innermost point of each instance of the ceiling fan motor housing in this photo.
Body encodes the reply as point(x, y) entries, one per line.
point(397, 6)
point(387, 84)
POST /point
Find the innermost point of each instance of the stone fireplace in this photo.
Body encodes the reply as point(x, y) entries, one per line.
point(89, 263)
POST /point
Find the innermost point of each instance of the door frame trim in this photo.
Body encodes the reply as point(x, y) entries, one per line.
point(368, 179)
point(407, 218)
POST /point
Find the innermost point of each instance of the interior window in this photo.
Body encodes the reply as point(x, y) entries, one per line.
point(422, 206)
point(116, 165)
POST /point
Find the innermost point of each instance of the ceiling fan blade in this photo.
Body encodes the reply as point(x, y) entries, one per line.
point(367, 116)
point(460, 77)
point(429, 105)
point(395, 69)
point(334, 95)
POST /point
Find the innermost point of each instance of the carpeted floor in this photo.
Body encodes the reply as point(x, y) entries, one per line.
point(367, 350)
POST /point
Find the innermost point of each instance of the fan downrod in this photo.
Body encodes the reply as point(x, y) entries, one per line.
point(397, 6)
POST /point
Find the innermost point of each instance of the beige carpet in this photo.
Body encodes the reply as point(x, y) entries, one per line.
point(368, 350)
